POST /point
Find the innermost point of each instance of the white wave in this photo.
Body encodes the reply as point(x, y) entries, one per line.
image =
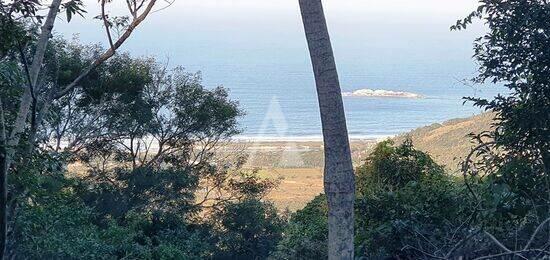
point(306, 138)
point(365, 92)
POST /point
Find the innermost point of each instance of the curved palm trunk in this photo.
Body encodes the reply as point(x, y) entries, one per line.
point(338, 173)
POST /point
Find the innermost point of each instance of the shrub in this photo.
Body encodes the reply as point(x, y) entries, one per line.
point(249, 229)
point(306, 235)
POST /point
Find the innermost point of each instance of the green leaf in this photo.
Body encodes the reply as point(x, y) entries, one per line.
point(69, 14)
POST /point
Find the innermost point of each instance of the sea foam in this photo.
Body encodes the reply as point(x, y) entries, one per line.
point(365, 92)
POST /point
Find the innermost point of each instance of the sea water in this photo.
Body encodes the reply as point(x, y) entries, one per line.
point(257, 50)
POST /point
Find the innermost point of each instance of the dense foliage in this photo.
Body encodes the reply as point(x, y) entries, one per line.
point(306, 235)
point(515, 53)
point(404, 200)
point(408, 208)
point(126, 165)
point(510, 163)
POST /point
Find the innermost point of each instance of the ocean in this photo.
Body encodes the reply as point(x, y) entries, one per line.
point(257, 50)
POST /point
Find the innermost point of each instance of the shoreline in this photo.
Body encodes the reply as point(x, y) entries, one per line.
point(306, 139)
point(251, 138)
point(290, 152)
point(297, 162)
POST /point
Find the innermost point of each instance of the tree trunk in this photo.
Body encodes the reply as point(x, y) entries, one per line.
point(338, 172)
point(3, 183)
point(9, 142)
point(26, 99)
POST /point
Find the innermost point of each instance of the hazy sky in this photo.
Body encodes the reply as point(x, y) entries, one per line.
point(208, 14)
point(402, 6)
point(198, 34)
point(203, 34)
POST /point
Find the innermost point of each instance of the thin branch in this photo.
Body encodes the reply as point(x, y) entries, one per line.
point(169, 3)
point(106, 24)
point(131, 9)
point(541, 251)
point(422, 252)
point(537, 230)
point(136, 8)
point(460, 243)
point(26, 69)
point(499, 244)
point(32, 89)
point(109, 53)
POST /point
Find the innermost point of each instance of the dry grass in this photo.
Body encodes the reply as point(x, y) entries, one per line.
point(448, 143)
point(297, 186)
point(298, 165)
point(295, 154)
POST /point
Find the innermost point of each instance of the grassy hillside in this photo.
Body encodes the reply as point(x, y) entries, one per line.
point(298, 165)
point(448, 142)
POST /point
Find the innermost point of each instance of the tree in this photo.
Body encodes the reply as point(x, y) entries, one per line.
point(136, 120)
point(338, 170)
point(38, 96)
point(514, 53)
point(306, 234)
point(405, 201)
point(510, 163)
point(150, 183)
point(249, 229)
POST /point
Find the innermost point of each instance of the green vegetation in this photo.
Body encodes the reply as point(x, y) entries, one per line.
point(306, 234)
point(403, 196)
point(119, 160)
point(408, 208)
point(403, 199)
point(149, 185)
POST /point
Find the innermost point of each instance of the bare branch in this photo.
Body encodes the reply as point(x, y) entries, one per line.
point(168, 4)
point(499, 244)
point(422, 252)
point(460, 243)
point(106, 24)
point(514, 253)
point(131, 9)
point(537, 230)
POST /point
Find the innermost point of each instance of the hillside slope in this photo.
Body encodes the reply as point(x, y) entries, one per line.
point(448, 142)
